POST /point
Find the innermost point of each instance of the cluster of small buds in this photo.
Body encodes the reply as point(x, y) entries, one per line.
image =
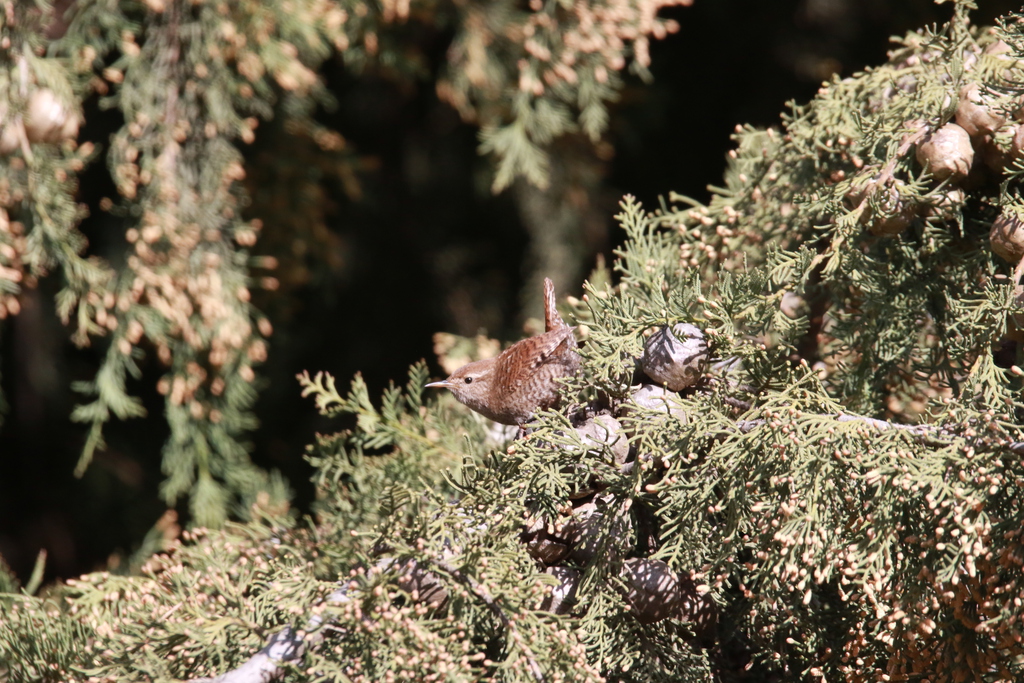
point(981, 143)
point(987, 136)
point(559, 48)
point(596, 38)
point(431, 635)
point(37, 111)
point(198, 580)
point(899, 632)
point(12, 267)
point(192, 295)
point(720, 233)
point(184, 258)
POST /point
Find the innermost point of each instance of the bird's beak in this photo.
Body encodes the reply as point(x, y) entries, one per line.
point(443, 384)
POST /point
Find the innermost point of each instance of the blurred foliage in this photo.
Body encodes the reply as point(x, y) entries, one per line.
point(191, 82)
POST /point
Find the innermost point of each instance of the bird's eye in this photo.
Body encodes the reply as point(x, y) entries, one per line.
point(469, 380)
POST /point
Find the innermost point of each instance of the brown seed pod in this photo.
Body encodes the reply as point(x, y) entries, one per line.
point(999, 48)
point(892, 225)
point(653, 397)
point(602, 526)
point(543, 546)
point(999, 150)
point(424, 587)
point(975, 113)
point(11, 131)
point(676, 357)
point(1016, 330)
point(562, 596)
point(1016, 145)
point(887, 212)
point(793, 305)
point(653, 590)
point(945, 205)
point(860, 187)
point(1002, 51)
point(47, 119)
point(1007, 235)
point(947, 153)
point(890, 214)
point(603, 431)
point(697, 607)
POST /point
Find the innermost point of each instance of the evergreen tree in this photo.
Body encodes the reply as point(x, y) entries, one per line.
point(793, 453)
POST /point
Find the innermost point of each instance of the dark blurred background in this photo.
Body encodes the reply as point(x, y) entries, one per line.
point(405, 239)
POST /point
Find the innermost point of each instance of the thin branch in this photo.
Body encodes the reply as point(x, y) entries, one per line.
point(287, 645)
point(928, 435)
point(879, 181)
point(265, 666)
point(737, 403)
point(485, 597)
point(284, 647)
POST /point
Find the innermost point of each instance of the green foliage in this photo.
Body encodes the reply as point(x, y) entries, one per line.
point(40, 641)
point(350, 474)
point(190, 82)
point(189, 78)
point(239, 582)
point(845, 483)
point(529, 76)
point(917, 309)
point(8, 581)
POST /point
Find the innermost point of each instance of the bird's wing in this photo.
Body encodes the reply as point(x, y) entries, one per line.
point(523, 358)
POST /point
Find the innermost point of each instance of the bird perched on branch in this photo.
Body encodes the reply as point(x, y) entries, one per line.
point(521, 379)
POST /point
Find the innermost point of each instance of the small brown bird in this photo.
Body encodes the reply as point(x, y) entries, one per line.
point(521, 379)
